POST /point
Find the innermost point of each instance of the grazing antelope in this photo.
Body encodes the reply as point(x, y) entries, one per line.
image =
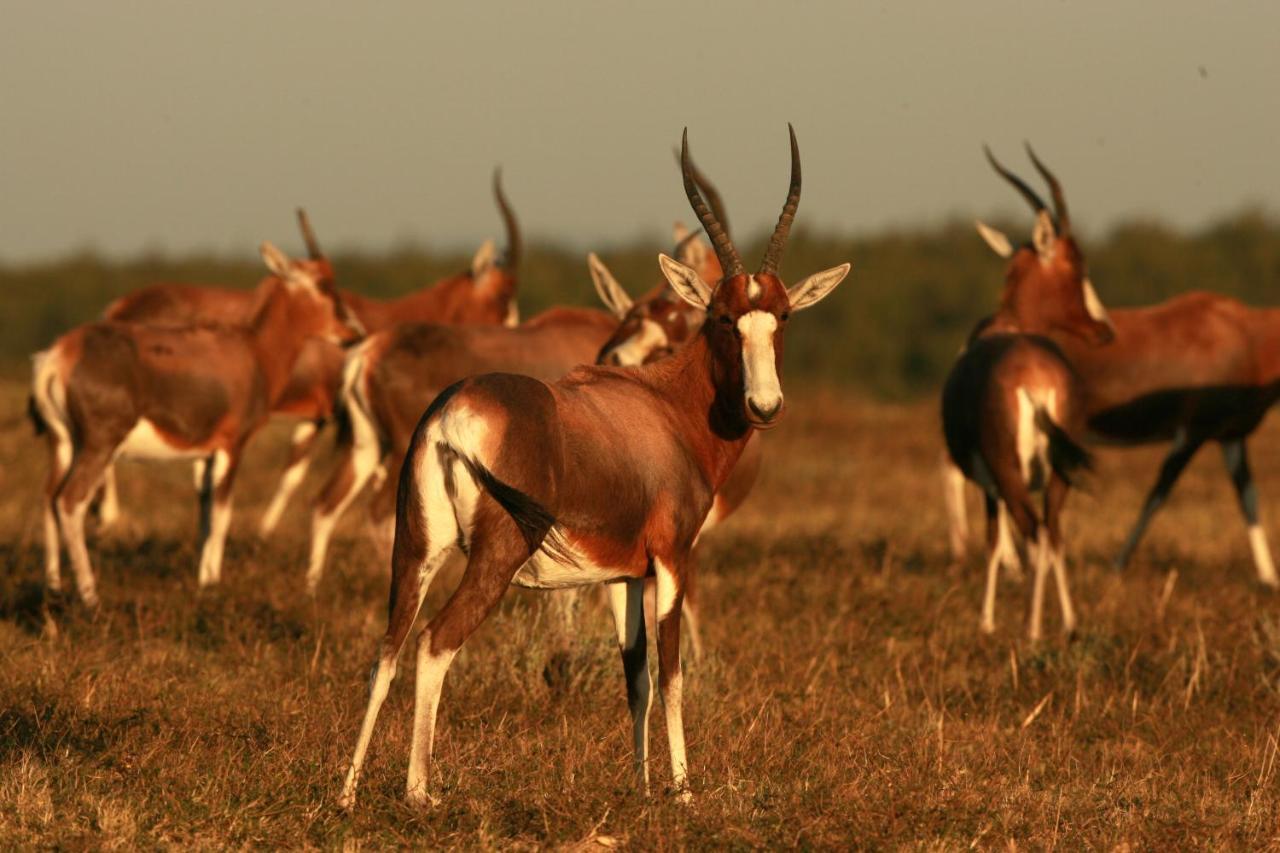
point(485, 294)
point(1197, 368)
point(604, 476)
point(1012, 406)
point(393, 376)
point(109, 389)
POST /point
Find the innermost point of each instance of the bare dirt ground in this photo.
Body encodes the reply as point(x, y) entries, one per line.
point(846, 698)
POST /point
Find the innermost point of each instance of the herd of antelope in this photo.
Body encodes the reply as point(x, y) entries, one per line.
point(584, 447)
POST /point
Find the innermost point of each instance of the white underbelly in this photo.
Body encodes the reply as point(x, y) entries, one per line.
point(144, 441)
point(545, 571)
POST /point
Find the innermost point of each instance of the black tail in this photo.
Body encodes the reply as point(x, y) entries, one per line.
point(1066, 456)
point(531, 517)
point(33, 412)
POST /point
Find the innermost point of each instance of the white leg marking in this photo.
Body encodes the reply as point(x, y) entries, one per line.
point(673, 690)
point(366, 456)
point(109, 509)
point(1005, 546)
point(210, 571)
point(382, 677)
point(50, 398)
point(197, 473)
point(957, 518)
point(988, 623)
point(1059, 560)
point(1262, 556)
point(291, 480)
point(626, 600)
point(71, 520)
point(1040, 557)
point(431, 672)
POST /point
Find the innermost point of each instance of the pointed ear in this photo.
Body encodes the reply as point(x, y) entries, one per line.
point(814, 288)
point(276, 260)
point(678, 233)
point(1094, 305)
point(995, 239)
point(484, 258)
point(685, 281)
point(607, 287)
point(1044, 237)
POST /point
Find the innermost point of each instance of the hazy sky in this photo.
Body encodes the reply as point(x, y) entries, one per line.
point(178, 125)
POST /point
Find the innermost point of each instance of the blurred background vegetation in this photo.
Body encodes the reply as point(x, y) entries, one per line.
point(891, 330)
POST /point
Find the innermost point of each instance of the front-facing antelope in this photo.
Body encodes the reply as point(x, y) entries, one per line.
point(604, 476)
point(199, 391)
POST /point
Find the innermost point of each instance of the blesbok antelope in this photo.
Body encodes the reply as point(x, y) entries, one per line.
point(392, 377)
point(1196, 368)
point(485, 294)
point(1013, 407)
point(604, 476)
point(109, 389)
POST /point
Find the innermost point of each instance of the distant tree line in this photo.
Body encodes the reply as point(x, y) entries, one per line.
point(891, 330)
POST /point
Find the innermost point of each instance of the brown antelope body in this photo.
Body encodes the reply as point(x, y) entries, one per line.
point(604, 476)
point(394, 375)
point(1195, 369)
point(1013, 406)
point(109, 389)
point(484, 295)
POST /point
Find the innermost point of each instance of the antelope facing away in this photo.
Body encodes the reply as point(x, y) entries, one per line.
point(107, 389)
point(604, 476)
point(1197, 368)
point(484, 294)
point(1013, 407)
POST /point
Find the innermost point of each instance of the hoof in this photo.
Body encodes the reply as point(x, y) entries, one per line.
point(987, 628)
point(418, 797)
point(684, 797)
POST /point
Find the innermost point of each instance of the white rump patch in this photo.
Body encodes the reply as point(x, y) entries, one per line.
point(466, 432)
point(759, 365)
point(1033, 444)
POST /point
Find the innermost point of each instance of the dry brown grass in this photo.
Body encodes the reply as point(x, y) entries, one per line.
point(847, 698)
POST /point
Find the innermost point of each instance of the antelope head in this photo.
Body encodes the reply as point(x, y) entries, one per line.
point(315, 307)
point(1047, 286)
point(746, 315)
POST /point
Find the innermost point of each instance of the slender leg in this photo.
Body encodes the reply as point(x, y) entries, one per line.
point(957, 517)
point(426, 533)
point(1054, 499)
point(670, 681)
point(497, 552)
point(301, 444)
point(995, 515)
point(109, 508)
point(1010, 559)
point(215, 504)
point(1179, 455)
point(357, 465)
point(59, 462)
point(1237, 459)
point(72, 505)
point(1040, 559)
point(627, 602)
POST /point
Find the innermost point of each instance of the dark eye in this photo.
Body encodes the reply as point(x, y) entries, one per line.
point(724, 320)
point(785, 315)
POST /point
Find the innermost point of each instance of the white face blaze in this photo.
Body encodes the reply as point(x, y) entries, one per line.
point(635, 349)
point(759, 365)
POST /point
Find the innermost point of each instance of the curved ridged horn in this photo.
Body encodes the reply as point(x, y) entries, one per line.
point(778, 241)
point(1059, 200)
point(510, 257)
point(309, 237)
point(1037, 203)
point(709, 192)
point(730, 263)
